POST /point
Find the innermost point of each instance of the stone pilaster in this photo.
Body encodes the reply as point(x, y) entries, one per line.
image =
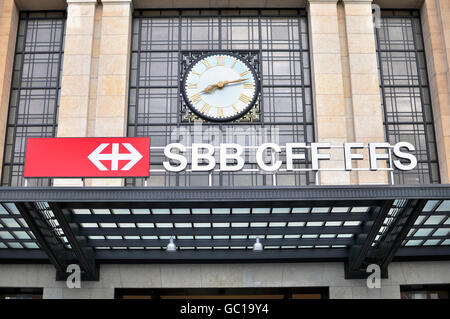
point(113, 69)
point(346, 82)
point(328, 85)
point(113, 74)
point(8, 32)
point(435, 16)
point(94, 70)
point(364, 83)
point(74, 103)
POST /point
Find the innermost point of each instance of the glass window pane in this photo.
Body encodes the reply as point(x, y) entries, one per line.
point(35, 95)
point(405, 93)
point(276, 44)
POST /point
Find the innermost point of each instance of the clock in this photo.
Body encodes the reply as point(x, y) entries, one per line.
point(220, 87)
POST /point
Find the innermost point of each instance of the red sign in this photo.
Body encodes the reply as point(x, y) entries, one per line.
point(87, 157)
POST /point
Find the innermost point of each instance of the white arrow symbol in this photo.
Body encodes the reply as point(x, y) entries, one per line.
point(134, 156)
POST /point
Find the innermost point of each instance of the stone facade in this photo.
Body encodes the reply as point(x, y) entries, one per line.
point(227, 276)
point(328, 86)
point(94, 92)
point(367, 113)
point(436, 32)
point(112, 75)
point(76, 74)
point(75, 86)
point(113, 66)
point(94, 97)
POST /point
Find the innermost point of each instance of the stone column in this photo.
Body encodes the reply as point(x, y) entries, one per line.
point(435, 16)
point(74, 103)
point(113, 69)
point(9, 18)
point(364, 83)
point(346, 82)
point(112, 90)
point(328, 85)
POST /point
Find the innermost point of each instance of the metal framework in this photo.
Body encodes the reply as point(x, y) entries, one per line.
point(358, 255)
point(405, 92)
point(45, 234)
point(359, 225)
point(84, 252)
point(34, 97)
point(160, 41)
point(189, 57)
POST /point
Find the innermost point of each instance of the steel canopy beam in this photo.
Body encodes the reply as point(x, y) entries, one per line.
point(397, 232)
point(219, 242)
point(220, 256)
point(255, 196)
point(45, 236)
point(17, 256)
point(131, 231)
point(84, 253)
point(359, 253)
point(219, 218)
point(423, 253)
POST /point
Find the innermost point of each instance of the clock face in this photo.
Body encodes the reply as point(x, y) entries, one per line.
point(220, 87)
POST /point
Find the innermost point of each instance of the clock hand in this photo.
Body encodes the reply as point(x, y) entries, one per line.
point(210, 88)
point(234, 81)
point(219, 85)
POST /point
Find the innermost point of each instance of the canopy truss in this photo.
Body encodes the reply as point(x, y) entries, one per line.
point(359, 225)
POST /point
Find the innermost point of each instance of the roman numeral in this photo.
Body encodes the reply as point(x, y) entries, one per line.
point(235, 108)
point(195, 98)
point(245, 99)
point(192, 86)
point(248, 86)
point(220, 112)
point(197, 74)
point(234, 63)
point(220, 60)
point(205, 109)
point(244, 73)
point(206, 64)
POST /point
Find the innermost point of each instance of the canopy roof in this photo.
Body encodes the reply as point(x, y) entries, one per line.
point(359, 225)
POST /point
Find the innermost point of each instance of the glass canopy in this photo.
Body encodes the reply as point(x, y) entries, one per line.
point(356, 224)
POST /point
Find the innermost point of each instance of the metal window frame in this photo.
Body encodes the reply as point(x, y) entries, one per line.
point(219, 14)
point(413, 14)
point(28, 16)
